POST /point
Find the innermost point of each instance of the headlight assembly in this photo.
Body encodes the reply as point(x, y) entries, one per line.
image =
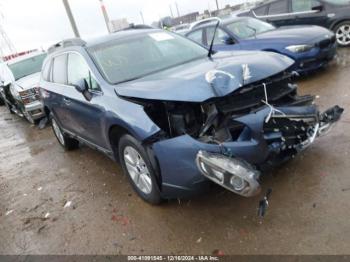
point(299, 48)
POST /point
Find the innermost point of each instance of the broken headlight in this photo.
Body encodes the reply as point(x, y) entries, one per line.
point(30, 95)
point(233, 174)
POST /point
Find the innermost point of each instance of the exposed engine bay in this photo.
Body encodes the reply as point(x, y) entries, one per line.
point(214, 121)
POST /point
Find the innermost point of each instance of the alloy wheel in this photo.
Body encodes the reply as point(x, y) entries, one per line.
point(343, 35)
point(137, 169)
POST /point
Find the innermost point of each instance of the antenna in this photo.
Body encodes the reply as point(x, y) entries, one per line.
point(210, 51)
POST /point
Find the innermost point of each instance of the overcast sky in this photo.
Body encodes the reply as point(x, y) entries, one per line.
point(40, 23)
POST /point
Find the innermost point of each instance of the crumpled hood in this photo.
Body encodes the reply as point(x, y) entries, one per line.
point(203, 79)
point(28, 82)
point(295, 34)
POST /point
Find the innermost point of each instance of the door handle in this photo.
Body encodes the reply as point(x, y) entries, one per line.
point(66, 101)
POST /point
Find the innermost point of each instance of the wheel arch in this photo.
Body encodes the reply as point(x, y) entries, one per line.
point(338, 22)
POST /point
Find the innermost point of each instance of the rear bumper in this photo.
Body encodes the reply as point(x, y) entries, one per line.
point(269, 144)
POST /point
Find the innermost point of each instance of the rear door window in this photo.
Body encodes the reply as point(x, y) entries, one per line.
point(303, 5)
point(279, 7)
point(261, 11)
point(59, 72)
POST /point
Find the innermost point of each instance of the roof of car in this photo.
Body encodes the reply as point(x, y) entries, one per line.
point(24, 57)
point(224, 21)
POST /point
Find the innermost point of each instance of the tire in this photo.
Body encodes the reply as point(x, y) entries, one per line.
point(342, 34)
point(139, 170)
point(64, 140)
point(9, 107)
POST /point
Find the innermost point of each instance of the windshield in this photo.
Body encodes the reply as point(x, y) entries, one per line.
point(249, 27)
point(27, 67)
point(124, 60)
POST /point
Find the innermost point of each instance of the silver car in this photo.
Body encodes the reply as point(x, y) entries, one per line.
point(21, 96)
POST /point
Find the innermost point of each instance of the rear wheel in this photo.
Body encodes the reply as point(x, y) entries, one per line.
point(137, 166)
point(342, 33)
point(65, 141)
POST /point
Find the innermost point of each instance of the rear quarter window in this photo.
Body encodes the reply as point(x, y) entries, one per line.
point(45, 74)
point(196, 36)
point(59, 69)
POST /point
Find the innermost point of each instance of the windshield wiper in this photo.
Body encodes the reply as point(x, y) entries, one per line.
point(210, 52)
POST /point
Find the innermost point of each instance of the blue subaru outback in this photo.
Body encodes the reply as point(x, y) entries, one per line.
point(177, 116)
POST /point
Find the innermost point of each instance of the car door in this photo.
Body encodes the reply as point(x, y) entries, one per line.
point(309, 12)
point(278, 13)
point(85, 115)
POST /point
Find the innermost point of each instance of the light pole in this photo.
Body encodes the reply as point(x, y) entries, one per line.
point(171, 11)
point(105, 15)
point(217, 5)
point(177, 9)
point(143, 20)
point(71, 18)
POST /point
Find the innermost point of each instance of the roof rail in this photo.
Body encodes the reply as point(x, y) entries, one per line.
point(66, 43)
point(204, 21)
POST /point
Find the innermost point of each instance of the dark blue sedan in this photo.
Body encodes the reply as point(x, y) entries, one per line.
point(311, 47)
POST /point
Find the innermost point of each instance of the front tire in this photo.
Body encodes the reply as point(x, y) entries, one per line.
point(139, 170)
point(342, 34)
point(65, 141)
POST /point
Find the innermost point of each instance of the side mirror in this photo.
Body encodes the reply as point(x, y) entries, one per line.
point(227, 40)
point(81, 85)
point(318, 8)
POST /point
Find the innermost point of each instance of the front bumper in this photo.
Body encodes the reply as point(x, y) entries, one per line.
point(35, 110)
point(314, 59)
point(268, 144)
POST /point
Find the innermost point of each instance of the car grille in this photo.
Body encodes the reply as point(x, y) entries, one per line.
point(326, 43)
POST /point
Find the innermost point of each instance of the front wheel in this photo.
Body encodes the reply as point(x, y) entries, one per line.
point(137, 166)
point(342, 34)
point(65, 141)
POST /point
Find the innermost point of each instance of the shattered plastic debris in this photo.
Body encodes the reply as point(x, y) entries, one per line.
point(67, 204)
point(47, 215)
point(40, 188)
point(264, 203)
point(8, 212)
point(199, 240)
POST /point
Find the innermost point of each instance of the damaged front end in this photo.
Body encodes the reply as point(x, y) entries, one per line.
point(230, 139)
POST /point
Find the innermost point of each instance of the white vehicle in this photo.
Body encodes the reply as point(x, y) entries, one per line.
point(20, 92)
